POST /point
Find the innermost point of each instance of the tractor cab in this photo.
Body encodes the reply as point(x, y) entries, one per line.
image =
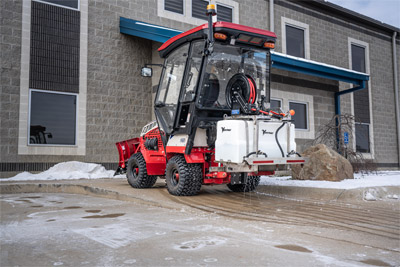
point(204, 80)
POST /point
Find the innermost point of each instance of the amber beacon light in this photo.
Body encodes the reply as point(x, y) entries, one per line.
point(220, 36)
point(269, 45)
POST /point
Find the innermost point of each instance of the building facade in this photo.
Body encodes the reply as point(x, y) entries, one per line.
point(71, 84)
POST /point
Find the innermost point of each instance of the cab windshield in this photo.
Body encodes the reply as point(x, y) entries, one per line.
point(225, 62)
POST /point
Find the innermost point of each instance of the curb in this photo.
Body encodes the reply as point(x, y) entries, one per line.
point(73, 189)
point(288, 192)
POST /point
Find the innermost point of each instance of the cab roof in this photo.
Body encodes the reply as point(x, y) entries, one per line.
point(231, 29)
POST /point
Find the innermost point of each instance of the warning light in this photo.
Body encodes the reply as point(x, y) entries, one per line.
point(270, 45)
point(220, 36)
point(292, 112)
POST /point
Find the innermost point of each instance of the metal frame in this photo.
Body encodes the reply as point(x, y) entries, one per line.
point(307, 114)
point(53, 4)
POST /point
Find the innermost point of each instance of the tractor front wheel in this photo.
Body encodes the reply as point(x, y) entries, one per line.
point(251, 183)
point(183, 179)
point(137, 172)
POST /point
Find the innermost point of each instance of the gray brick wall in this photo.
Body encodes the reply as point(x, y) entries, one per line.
point(119, 100)
point(329, 44)
point(10, 49)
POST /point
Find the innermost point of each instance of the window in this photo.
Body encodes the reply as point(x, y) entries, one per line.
point(361, 101)
point(52, 118)
point(300, 118)
point(224, 13)
point(362, 138)
point(170, 87)
point(303, 104)
point(64, 3)
point(194, 69)
point(295, 41)
point(276, 103)
point(174, 6)
point(295, 38)
point(199, 8)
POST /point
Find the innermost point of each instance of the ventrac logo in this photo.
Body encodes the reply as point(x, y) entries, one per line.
point(265, 132)
point(225, 130)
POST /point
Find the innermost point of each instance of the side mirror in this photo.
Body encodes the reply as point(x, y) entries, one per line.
point(147, 72)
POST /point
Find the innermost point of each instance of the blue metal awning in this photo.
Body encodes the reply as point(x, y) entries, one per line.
point(146, 30)
point(279, 61)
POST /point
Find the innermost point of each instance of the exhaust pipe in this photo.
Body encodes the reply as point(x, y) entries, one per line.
point(210, 13)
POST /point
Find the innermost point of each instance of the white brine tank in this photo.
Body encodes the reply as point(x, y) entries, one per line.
point(236, 139)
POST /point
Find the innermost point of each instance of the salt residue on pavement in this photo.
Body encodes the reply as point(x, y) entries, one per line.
point(381, 178)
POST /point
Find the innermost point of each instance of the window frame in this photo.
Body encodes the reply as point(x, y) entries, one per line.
point(187, 10)
point(227, 6)
point(307, 114)
point(365, 45)
point(30, 111)
point(298, 97)
point(299, 25)
point(78, 9)
point(172, 12)
point(280, 100)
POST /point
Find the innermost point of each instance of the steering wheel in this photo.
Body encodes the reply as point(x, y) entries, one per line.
point(244, 85)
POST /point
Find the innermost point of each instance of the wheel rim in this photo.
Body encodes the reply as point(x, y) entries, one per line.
point(175, 177)
point(135, 171)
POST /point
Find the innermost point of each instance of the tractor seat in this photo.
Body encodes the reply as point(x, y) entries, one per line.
point(210, 90)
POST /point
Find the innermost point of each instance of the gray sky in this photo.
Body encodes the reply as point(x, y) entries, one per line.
point(387, 11)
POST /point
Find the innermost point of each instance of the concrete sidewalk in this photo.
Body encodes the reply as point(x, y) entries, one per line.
point(119, 189)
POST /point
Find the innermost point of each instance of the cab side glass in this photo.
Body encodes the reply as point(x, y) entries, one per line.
point(147, 72)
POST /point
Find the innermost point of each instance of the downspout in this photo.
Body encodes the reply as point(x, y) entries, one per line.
point(396, 93)
point(271, 16)
point(337, 105)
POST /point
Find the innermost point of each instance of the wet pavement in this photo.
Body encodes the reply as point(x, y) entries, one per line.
point(215, 228)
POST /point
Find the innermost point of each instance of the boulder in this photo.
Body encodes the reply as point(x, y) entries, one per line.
point(323, 164)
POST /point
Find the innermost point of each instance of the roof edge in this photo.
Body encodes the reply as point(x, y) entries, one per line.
point(349, 13)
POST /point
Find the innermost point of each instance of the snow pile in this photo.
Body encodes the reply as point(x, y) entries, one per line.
point(68, 170)
point(382, 178)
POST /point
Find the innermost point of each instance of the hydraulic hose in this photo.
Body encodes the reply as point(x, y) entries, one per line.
point(277, 141)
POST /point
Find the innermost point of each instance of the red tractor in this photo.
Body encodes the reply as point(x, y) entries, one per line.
point(214, 122)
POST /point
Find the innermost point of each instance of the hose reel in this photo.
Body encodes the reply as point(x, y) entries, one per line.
point(241, 92)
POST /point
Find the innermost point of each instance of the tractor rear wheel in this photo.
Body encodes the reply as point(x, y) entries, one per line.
point(183, 179)
point(137, 172)
point(251, 183)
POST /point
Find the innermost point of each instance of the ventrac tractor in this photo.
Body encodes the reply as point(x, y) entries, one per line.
point(214, 124)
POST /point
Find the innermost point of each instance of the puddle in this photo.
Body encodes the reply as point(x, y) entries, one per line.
point(112, 215)
point(24, 200)
point(33, 197)
point(72, 207)
point(36, 206)
point(51, 220)
point(93, 211)
point(375, 262)
point(294, 248)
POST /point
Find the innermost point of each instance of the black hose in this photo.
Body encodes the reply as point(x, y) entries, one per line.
point(276, 139)
point(252, 153)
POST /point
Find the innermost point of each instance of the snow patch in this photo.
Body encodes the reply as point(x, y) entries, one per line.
point(200, 243)
point(382, 178)
point(68, 170)
point(369, 196)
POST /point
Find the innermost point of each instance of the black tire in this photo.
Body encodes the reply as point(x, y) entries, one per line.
point(183, 179)
point(251, 184)
point(137, 172)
